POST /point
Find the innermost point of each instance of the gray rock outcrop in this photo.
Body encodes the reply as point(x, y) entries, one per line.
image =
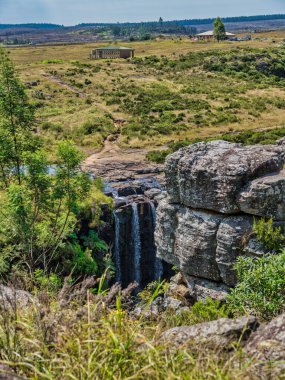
point(220, 333)
point(267, 345)
point(214, 192)
point(211, 175)
point(265, 196)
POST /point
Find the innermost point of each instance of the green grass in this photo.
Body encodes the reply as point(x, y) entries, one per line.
point(173, 90)
point(247, 137)
point(93, 340)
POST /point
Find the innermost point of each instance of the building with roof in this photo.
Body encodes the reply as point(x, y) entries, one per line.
point(209, 35)
point(112, 52)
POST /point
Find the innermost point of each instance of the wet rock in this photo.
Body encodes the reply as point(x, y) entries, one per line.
point(211, 175)
point(137, 258)
point(152, 193)
point(265, 196)
point(221, 333)
point(126, 189)
point(118, 170)
point(267, 345)
point(120, 202)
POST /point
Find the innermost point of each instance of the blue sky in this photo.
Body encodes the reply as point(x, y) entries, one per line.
point(70, 12)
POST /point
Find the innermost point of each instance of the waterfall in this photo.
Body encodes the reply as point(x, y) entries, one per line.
point(117, 253)
point(136, 243)
point(158, 262)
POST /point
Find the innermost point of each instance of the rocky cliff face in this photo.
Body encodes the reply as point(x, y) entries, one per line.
point(214, 191)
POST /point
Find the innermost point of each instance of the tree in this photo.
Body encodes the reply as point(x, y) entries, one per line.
point(116, 30)
point(16, 123)
point(160, 21)
point(219, 30)
point(38, 208)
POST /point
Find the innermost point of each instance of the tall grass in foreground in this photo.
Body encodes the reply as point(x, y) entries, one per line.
point(96, 341)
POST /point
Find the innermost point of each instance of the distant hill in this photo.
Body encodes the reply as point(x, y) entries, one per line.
point(186, 22)
point(33, 26)
point(193, 22)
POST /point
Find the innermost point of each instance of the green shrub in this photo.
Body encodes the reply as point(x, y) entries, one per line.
point(202, 311)
point(52, 61)
point(48, 126)
point(261, 284)
point(271, 237)
point(82, 262)
point(49, 282)
point(100, 124)
point(158, 156)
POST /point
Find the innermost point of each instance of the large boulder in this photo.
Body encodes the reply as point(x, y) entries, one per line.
point(220, 333)
point(267, 345)
point(211, 175)
point(265, 196)
point(10, 297)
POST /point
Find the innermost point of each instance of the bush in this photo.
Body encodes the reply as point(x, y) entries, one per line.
point(261, 284)
point(202, 311)
point(48, 126)
point(100, 124)
point(82, 262)
point(271, 237)
point(158, 156)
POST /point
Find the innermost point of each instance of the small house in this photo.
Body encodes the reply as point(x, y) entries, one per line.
point(112, 52)
point(209, 35)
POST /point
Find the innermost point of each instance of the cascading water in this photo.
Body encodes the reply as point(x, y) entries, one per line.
point(134, 250)
point(158, 262)
point(136, 239)
point(117, 253)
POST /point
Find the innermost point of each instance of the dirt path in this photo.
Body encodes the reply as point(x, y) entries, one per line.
point(115, 164)
point(112, 162)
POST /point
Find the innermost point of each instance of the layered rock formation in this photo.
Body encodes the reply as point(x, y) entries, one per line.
point(214, 191)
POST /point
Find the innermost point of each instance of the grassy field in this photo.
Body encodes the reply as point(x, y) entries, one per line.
point(173, 90)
